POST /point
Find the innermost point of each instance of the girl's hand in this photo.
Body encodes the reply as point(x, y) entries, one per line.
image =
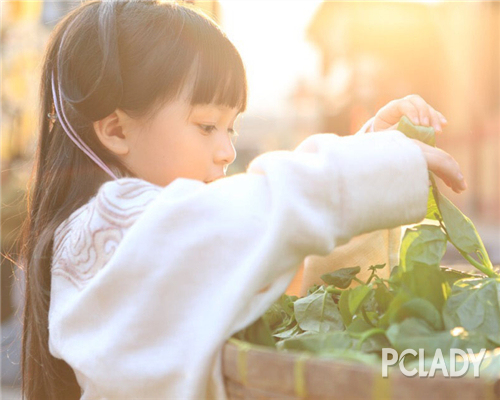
point(415, 108)
point(444, 166)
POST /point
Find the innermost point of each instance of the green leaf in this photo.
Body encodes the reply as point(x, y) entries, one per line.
point(358, 325)
point(422, 245)
point(280, 316)
point(394, 271)
point(318, 312)
point(344, 307)
point(432, 208)
point(375, 267)
point(291, 332)
point(425, 134)
point(357, 296)
point(427, 282)
point(383, 297)
point(474, 303)
point(341, 278)
point(415, 333)
point(420, 308)
point(452, 275)
point(257, 333)
point(370, 303)
point(461, 230)
point(359, 328)
point(312, 289)
point(338, 344)
point(318, 342)
point(490, 367)
point(422, 249)
point(401, 297)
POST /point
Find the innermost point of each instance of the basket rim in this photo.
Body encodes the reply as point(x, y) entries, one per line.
point(242, 345)
point(245, 363)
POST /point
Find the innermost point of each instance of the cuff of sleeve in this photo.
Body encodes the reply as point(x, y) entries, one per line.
point(367, 127)
point(383, 182)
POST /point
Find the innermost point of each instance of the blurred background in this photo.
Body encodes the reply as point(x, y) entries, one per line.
point(312, 66)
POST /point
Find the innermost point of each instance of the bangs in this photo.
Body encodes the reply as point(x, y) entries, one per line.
point(217, 74)
point(188, 57)
point(220, 79)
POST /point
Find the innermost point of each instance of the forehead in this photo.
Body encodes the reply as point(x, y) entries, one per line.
point(213, 107)
point(204, 109)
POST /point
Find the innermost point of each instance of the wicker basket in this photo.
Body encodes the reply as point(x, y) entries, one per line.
point(259, 372)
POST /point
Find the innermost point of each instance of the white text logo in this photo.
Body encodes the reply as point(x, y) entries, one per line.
point(390, 357)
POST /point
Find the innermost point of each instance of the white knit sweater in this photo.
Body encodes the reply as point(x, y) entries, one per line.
point(149, 282)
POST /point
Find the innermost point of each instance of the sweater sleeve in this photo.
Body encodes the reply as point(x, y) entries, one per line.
point(190, 271)
point(378, 247)
point(367, 127)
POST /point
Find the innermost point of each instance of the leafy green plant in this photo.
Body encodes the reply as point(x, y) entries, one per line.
point(421, 304)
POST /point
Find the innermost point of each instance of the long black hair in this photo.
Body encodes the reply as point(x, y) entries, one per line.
point(131, 55)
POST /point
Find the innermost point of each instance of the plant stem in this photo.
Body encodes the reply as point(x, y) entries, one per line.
point(480, 267)
point(484, 269)
point(370, 277)
point(358, 280)
point(332, 289)
point(365, 316)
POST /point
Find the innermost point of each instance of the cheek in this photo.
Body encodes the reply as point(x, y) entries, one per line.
point(192, 153)
point(156, 148)
point(184, 153)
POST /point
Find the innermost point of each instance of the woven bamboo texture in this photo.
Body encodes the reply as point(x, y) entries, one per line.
point(259, 372)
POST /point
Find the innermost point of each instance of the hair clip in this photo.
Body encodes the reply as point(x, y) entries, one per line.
point(52, 115)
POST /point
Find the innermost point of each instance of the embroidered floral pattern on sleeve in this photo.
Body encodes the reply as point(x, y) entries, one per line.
point(87, 239)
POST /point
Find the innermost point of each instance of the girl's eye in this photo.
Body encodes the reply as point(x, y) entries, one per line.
point(210, 128)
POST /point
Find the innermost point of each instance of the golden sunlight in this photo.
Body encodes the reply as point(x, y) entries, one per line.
point(270, 37)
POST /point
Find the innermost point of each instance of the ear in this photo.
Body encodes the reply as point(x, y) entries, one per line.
point(112, 132)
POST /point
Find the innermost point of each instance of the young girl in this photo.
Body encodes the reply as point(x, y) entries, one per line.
point(139, 267)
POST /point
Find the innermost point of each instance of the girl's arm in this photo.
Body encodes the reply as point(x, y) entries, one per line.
point(378, 247)
point(189, 272)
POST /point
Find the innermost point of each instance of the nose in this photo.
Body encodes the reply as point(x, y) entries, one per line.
point(225, 153)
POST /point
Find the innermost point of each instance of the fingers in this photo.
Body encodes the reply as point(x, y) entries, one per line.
point(427, 115)
point(408, 108)
point(438, 120)
point(435, 121)
point(422, 107)
point(444, 166)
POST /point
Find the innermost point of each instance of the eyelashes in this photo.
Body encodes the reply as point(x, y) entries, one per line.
point(210, 128)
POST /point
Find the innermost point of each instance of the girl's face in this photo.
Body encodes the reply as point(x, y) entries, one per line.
point(178, 143)
point(196, 145)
